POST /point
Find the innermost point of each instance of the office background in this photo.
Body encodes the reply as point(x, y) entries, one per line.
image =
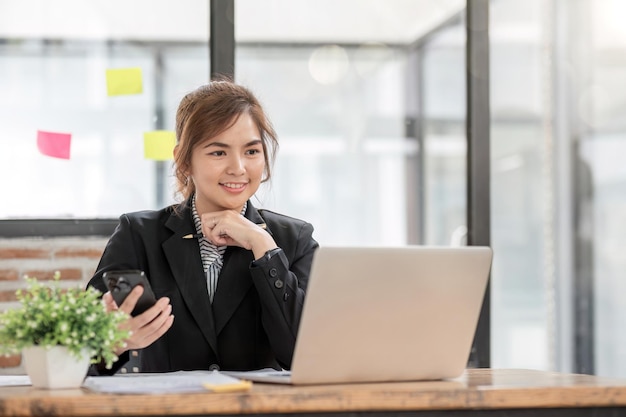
point(369, 100)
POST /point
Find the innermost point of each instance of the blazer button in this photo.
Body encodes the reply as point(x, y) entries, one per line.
point(273, 272)
point(278, 283)
point(214, 367)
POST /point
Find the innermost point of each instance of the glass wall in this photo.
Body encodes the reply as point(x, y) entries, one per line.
point(601, 169)
point(558, 185)
point(521, 228)
point(53, 78)
point(344, 154)
point(345, 101)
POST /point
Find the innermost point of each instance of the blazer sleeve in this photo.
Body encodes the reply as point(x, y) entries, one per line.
point(119, 254)
point(281, 282)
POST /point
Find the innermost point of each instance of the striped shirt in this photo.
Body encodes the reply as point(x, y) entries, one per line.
point(212, 255)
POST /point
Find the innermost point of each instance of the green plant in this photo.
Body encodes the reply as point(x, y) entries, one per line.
point(72, 317)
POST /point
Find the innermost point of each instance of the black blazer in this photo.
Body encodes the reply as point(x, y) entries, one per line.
point(253, 320)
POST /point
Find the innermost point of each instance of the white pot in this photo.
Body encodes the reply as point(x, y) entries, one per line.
point(54, 367)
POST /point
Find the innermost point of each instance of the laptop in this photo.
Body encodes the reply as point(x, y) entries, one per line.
point(379, 314)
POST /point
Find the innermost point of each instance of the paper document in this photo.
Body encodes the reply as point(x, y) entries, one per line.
point(263, 375)
point(165, 383)
point(14, 380)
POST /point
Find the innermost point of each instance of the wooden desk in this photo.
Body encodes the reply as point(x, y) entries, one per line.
point(482, 392)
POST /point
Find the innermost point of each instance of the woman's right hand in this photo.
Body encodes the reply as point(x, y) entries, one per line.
point(147, 327)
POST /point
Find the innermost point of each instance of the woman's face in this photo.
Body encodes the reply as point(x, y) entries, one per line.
point(227, 169)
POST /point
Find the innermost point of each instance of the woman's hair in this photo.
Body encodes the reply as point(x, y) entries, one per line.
point(208, 111)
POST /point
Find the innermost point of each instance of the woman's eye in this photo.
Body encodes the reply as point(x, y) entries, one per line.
point(253, 151)
point(218, 153)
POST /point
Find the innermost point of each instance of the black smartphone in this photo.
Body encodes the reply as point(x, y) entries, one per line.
point(120, 283)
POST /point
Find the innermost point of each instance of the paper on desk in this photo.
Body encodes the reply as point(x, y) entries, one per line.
point(14, 380)
point(165, 383)
point(263, 375)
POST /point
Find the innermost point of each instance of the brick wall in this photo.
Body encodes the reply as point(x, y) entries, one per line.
point(75, 257)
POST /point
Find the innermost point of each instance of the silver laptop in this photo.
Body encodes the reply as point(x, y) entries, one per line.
point(374, 314)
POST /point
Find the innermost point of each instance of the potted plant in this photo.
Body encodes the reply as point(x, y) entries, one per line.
point(59, 331)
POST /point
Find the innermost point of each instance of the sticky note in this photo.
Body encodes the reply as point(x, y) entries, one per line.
point(123, 81)
point(56, 145)
point(229, 387)
point(159, 145)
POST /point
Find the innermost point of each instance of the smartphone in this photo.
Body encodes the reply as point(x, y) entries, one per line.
point(120, 283)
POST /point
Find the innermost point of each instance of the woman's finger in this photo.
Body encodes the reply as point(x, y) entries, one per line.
point(156, 328)
point(109, 303)
point(150, 325)
point(128, 305)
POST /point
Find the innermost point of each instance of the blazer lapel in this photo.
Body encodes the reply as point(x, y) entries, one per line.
point(235, 280)
point(232, 286)
point(183, 256)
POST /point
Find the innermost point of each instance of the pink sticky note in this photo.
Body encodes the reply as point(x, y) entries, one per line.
point(56, 145)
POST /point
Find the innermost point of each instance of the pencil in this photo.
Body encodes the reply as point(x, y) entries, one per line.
point(193, 236)
point(242, 385)
point(199, 235)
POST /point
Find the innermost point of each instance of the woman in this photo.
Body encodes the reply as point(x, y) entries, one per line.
point(229, 297)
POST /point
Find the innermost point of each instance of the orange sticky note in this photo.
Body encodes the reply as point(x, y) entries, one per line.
point(123, 81)
point(56, 145)
point(159, 145)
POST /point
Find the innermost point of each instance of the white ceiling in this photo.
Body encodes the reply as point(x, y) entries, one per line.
point(389, 21)
point(319, 21)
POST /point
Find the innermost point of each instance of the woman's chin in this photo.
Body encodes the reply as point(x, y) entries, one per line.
point(232, 205)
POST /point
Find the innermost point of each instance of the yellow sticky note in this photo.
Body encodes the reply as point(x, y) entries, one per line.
point(122, 81)
point(242, 385)
point(159, 145)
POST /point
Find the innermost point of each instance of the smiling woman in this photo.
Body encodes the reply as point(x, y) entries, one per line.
point(261, 259)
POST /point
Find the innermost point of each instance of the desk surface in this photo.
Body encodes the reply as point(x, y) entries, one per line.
point(486, 389)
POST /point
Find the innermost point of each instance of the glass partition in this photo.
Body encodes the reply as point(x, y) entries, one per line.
point(346, 102)
point(54, 58)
